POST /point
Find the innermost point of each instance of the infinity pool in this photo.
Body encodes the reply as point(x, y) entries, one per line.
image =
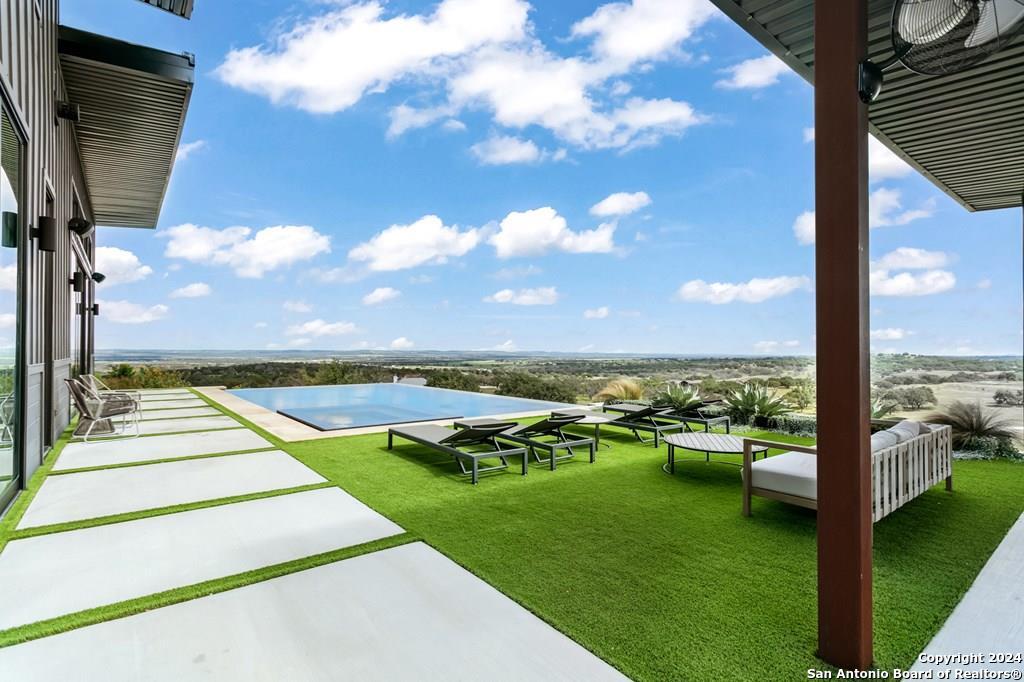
point(355, 405)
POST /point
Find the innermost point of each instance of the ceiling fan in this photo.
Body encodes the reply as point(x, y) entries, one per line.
point(940, 37)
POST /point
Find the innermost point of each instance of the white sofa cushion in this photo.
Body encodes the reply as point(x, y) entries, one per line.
point(883, 439)
point(906, 430)
point(792, 473)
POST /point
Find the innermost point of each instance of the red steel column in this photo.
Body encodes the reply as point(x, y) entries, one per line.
point(841, 205)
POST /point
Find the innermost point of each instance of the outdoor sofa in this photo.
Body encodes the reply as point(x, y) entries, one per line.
point(471, 445)
point(906, 460)
point(532, 435)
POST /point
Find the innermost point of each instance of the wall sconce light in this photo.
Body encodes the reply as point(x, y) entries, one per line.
point(95, 309)
point(69, 111)
point(80, 226)
point(98, 277)
point(45, 233)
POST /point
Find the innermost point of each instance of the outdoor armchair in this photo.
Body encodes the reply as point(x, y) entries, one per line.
point(93, 383)
point(94, 409)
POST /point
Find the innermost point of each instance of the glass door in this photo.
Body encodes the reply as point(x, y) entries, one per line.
point(10, 193)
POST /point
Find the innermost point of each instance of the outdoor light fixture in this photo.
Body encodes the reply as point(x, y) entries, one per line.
point(95, 309)
point(77, 281)
point(80, 226)
point(69, 111)
point(98, 277)
point(45, 233)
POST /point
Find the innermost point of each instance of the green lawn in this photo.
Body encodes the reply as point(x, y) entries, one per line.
point(661, 576)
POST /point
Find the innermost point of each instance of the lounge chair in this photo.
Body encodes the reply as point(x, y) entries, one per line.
point(94, 409)
point(695, 416)
point(463, 445)
point(649, 419)
point(906, 460)
point(531, 435)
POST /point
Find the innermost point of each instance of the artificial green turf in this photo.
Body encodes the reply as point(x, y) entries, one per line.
point(660, 575)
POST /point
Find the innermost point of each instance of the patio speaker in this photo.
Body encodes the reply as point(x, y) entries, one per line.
point(941, 37)
point(45, 233)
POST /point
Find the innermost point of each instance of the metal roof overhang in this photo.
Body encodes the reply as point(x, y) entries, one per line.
point(133, 102)
point(964, 132)
point(183, 8)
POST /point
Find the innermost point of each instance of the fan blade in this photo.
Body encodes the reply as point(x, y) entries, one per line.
point(926, 21)
point(998, 17)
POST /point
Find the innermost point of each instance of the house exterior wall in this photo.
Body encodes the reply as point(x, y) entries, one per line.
point(32, 85)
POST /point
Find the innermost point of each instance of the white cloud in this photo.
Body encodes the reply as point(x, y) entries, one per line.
point(8, 320)
point(297, 307)
point(889, 334)
point(908, 258)
point(9, 277)
point(320, 328)
point(538, 296)
point(503, 150)
point(620, 204)
point(808, 134)
point(427, 241)
point(454, 125)
point(298, 343)
point(884, 283)
point(886, 209)
point(803, 227)
point(194, 290)
point(628, 32)
point(985, 283)
point(517, 272)
point(401, 343)
point(125, 312)
point(883, 164)
point(775, 346)
point(120, 266)
point(759, 72)
point(260, 325)
point(755, 291)
point(381, 295)
point(508, 346)
point(268, 249)
point(596, 313)
point(326, 63)
point(187, 149)
point(534, 232)
point(480, 54)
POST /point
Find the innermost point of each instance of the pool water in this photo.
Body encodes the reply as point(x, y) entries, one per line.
point(356, 405)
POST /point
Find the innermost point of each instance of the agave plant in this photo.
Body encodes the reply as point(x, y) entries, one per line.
point(753, 401)
point(681, 399)
point(881, 408)
point(618, 390)
point(973, 429)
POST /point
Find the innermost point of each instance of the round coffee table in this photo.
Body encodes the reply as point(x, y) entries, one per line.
point(707, 443)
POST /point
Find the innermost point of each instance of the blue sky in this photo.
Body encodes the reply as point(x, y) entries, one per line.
point(570, 176)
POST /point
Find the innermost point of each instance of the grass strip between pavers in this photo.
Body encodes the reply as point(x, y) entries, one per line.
point(162, 460)
point(53, 626)
point(49, 529)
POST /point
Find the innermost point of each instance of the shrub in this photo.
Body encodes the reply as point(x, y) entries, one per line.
point(973, 429)
point(523, 385)
point(913, 398)
point(753, 401)
point(681, 399)
point(796, 425)
point(881, 408)
point(1006, 397)
point(454, 379)
point(801, 397)
point(618, 390)
point(126, 376)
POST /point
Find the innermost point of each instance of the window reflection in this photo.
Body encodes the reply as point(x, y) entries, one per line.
point(10, 166)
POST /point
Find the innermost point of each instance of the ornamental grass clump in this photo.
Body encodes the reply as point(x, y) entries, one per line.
point(974, 430)
point(620, 390)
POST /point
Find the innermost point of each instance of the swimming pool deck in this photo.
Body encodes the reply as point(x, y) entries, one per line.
point(290, 430)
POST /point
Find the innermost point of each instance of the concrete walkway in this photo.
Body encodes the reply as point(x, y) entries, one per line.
point(990, 617)
point(401, 613)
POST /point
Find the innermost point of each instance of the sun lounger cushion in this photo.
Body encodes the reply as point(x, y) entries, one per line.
point(883, 439)
point(792, 473)
point(906, 430)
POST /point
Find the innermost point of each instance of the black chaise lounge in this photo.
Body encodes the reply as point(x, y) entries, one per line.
point(531, 436)
point(695, 416)
point(647, 419)
point(465, 445)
